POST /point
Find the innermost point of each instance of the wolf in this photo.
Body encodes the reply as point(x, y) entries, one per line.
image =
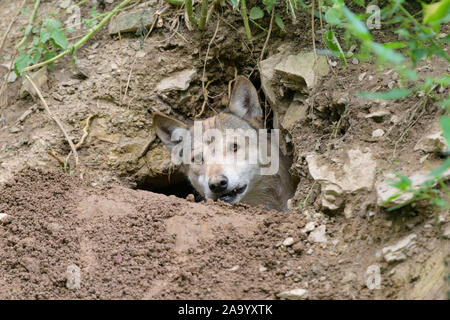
point(240, 180)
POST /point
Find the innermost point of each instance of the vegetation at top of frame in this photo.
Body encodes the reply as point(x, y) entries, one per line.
point(49, 36)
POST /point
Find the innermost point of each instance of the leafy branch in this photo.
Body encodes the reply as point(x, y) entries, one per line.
point(51, 33)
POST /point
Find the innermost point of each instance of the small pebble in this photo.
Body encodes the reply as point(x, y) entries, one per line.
point(288, 242)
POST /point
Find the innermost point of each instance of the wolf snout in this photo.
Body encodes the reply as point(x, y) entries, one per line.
point(218, 183)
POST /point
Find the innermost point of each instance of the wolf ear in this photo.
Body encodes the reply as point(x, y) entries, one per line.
point(244, 100)
point(164, 127)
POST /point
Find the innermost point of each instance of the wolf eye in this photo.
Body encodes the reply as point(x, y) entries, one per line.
point(234, 147)
point(197, 159)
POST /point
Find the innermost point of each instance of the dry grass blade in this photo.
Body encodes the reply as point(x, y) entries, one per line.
point(58, 122)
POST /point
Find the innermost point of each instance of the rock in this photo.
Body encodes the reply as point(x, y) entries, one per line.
point(377, 133)
point(12, 77)
point(30, 264)
point(64, 4)
point(297, 111)
point(82, 69)
point(432, 143)
point(385, 191)
point(268, 81)
point(3, 217)
point(131, 21)
point(234, 268)
point(352, 171)
point(288, 242)
point(445, 234)
point(15, 129)
point(295, 294)
point(262, 269)
point(397, 252)
point(378, 116)
point(298, 247)
point(178, 81)
point(332, 197)
point(318, 235)
point(310, 226)
point(362, 76)
point(39, 78)
point(301, 70)
point(73, 276)
point(296, 74)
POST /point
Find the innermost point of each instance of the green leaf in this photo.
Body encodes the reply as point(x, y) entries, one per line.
point(407, 73)
point(419, 54)
point(94, 13)
point(403, 183)
point(333, 44)
point(279, 22)
point(386, 95)
point(440, 202)
point(439, 172)
point(269, 5)
point(445, 103)
point(386, 53)
point(358, 26)
point(395, 45)
point(44, 36)
point(51, 24)
point(443, 81)
point(333, 16)
point(23, 61)
point(445, 124)
point(434, 13)
point(256, 13)
point(60, 38)
point(234, 3)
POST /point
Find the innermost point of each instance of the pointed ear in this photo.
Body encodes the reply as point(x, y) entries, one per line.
point(244, 100)
point(165, 126)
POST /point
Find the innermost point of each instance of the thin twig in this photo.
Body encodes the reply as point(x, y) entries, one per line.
point(205, 93)
point(313, 31)
point(54, 156)
point(72, 146)
point(205, 97)
point(268, 34)
point(86, 128)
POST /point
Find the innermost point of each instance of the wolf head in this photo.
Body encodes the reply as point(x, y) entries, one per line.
point(221, 163)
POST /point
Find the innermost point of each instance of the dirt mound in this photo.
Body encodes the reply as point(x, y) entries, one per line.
point(128, 244)
point(141, 245)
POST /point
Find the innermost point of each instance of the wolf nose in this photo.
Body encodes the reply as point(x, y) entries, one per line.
point(218, 183)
